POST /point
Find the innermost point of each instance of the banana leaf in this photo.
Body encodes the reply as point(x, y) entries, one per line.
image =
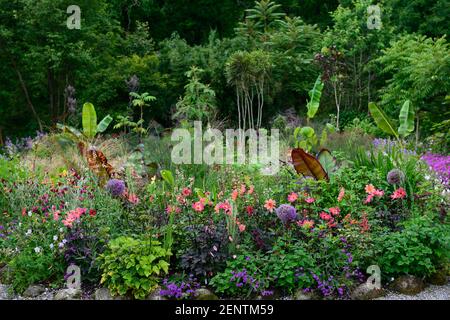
point(308, 165)
point(89, 119)
point(327, 161)
point(168, 177)
point(75, 133)
point(314, 95)
point(382, 120)
point(103, 125)
point(406, 118)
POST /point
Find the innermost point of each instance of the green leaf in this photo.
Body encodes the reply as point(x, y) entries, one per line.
point(307, 132)
point(406, 119)
point(168, 177)
point(89, 119)
point(327, 161)
point(71, 130)
point(103, 125)
point(382, 120)
point(314, 95)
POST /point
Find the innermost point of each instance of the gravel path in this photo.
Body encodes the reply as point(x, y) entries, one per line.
point(430, 293)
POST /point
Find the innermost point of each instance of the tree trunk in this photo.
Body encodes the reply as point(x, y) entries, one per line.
point(27, 96)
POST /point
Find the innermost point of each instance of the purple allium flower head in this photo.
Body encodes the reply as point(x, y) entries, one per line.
point(395, 176)
point(286, 213)
point(116, 187)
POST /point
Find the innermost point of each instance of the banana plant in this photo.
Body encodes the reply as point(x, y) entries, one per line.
point(383, 122)
point(307, 138)
point(95, 158)
point(315, 94)
point(319, 167)
point(89, 123)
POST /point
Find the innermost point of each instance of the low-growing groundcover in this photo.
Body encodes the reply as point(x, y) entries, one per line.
point(227, 228)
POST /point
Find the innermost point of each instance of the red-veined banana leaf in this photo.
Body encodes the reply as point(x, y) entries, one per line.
point(308, 165)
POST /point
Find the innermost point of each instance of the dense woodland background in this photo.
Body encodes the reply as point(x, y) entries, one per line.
point(159, 41)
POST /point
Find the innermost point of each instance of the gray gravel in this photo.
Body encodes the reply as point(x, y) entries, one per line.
point(430, 293)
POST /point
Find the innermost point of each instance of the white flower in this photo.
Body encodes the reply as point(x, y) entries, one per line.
point(37, 249)
point(51, 246)
point(29, 231)
point(20, 224)
point(60, 245)
point(61, 230)
point(55, 238)
point(30, 213)
point(64, 241)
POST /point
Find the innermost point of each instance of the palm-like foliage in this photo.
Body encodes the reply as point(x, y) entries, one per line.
point(265, 14)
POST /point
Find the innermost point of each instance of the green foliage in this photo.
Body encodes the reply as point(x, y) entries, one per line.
point(406, 118)
point(198, 102)
point(295, 271)
point(253, 263)
point(314, 95)
point(133, 266)
point(421, 75)
point(141, 101)
point(29, 267)
point(264, 15)
point(168, 177)
point(89, 120)
point(419, 249)
point(89, 123)
point(382, 120)
point(249, 73)
point(418, 16)
point(306, 137)
point(104, 124)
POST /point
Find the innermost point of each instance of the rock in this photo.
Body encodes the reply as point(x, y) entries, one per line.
point(409, 285)
point(4, 292)
point(154, 295)
point(301, 295)
point(33, 291)
point(205, 294)
point(103, 294)
point(4, 271)
point(68, 294)
point(367, 292)
point(439, 278)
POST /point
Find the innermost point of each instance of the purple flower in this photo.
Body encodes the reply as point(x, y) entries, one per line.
point(440, 165)
point(266, 293)
point(116, 187)
point(286, 213)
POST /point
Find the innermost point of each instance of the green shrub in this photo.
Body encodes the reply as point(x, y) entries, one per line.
point(290, 265)
point(245, 275)
point(133, 266)
point(419, 249)
point(30, 267)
